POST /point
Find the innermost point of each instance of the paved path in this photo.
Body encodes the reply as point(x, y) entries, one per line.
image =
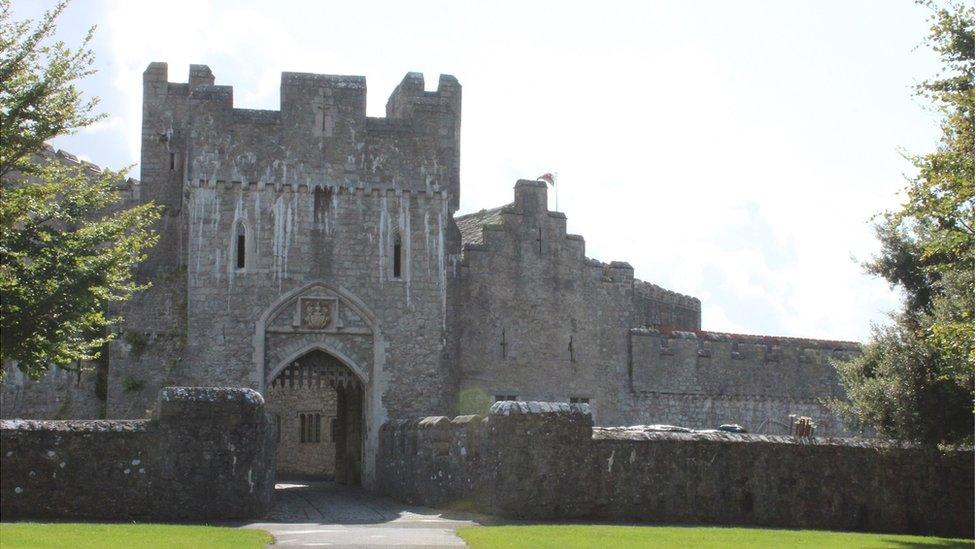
point(324, 514)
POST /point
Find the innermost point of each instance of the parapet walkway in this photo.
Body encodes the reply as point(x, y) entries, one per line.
point(325, 514)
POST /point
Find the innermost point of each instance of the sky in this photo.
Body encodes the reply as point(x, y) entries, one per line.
point(734, 151)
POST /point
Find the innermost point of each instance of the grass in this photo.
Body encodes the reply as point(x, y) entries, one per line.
point(39, 535)
point(604, 537)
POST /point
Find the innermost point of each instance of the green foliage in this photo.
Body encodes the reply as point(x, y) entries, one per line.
point(473, 400)
point(133, 384)
point(38, 97)
point(915, 379)
point(137, 343)
point(65, 255)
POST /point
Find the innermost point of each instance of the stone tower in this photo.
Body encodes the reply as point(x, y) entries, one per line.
point(313, 229)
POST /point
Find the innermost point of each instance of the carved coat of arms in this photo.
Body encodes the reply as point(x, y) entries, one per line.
point(316, 314)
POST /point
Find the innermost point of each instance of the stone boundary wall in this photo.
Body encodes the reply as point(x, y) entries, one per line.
point(537, 460)
point(208, 454)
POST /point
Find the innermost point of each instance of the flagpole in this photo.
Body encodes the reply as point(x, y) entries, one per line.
point(555, 188)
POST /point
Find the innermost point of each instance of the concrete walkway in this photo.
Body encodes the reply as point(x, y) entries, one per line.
point(325, 514)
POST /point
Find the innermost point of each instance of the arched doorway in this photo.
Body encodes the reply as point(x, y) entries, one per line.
point(330, 319)
point(317, 402)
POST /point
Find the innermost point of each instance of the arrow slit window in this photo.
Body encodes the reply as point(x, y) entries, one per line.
point(397, 255)
point(241, 245)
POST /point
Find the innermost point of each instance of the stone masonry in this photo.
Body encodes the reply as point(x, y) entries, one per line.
point(208, 453)
point(317, 229)
point(304, 416)
point(546, 461)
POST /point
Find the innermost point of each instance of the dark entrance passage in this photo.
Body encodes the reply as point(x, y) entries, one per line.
point(317, 403)
point(348, 434)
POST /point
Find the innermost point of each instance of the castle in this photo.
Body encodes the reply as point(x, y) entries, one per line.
point(315, 254)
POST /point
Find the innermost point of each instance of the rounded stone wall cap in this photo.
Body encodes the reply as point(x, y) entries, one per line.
point(210, 394)
point(514, 408)
point(76, 425)
point(461, 420)
point(433, 421)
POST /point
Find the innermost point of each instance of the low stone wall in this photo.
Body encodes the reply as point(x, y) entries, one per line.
point(208, 454)
point(546, 461)
point(434, 461)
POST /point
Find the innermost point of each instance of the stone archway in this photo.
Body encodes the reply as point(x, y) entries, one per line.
point(320, 318)
point(317, 403)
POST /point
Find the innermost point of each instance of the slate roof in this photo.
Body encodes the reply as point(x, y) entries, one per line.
point(470, 224)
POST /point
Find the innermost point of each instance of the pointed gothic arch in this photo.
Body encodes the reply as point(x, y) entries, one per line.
point(355, 368)
point(280, 306)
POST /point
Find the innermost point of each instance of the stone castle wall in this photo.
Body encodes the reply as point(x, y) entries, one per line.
point(703, 379)
point(538, 320)
point(656, 306)
point(541, 321)
point(60, 394)
point(209, 454)
point(499, 303)
point(546, 461)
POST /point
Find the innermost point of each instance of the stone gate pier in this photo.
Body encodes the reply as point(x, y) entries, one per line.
point(209, 453)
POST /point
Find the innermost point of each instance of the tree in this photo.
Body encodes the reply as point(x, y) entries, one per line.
point(67, 251)
point(914, 380)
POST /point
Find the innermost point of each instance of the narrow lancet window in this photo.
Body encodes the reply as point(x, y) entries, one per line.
point(397, 255)
point(241, 245)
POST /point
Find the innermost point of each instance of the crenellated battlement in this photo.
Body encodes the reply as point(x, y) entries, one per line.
point(320, 135)
point(527, 224)
point(751, 339)
point(408, 99)
point(352, 189)
point(699, 362)
point(128, 188)
point(655, 292)
point(528, 218)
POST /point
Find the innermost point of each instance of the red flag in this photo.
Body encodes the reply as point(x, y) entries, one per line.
point(548, 178)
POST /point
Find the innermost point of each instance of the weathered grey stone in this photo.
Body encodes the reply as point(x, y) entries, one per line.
point(209, 454)
point(278, 259)
point(552, 464)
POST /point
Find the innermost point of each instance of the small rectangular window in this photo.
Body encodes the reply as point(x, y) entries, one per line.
point(172, 161)
point(579, 400)
point(277, 428)
point(310, 428)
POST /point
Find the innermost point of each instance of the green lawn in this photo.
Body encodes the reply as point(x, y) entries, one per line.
point(605, 537)
point(39, 535)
